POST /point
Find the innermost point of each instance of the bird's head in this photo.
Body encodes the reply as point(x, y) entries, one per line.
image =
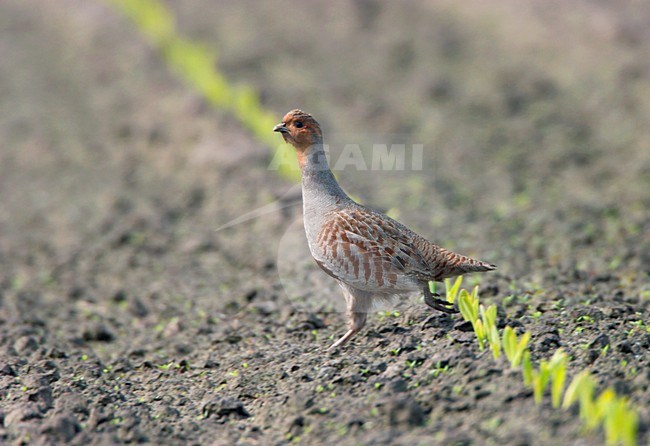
point(300, 130)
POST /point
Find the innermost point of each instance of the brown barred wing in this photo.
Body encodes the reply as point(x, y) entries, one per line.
point(372, 251)
point(369, 252)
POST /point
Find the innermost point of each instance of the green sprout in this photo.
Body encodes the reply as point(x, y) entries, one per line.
point(514, 348)
point(483, 320)
point(539, 381)
point(619, 421)
point(165, 366)
point(553, 372)
point(452, 290)
point(527, 368)
point(489, 319)
point(604, 350)
point(438, 369)
point(557, 369)
point(469, 309)
point(468, 305)
point(411, 364)
point(581, 389)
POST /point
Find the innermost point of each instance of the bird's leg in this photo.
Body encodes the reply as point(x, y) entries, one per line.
point(359, 303)
point(357, 321)
point(438, 304)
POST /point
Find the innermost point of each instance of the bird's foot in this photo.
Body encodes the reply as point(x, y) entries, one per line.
point(344, 339)
point(439, 304)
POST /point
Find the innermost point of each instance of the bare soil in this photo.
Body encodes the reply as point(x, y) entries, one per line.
point(133, 311)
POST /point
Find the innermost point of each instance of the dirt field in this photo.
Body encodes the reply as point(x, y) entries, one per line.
point(130, 314)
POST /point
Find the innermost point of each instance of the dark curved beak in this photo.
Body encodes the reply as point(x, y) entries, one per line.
point(281, 127)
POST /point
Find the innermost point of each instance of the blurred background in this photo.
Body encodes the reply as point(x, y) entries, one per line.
point(529, 112)
point(533, 117)
point(131, 131)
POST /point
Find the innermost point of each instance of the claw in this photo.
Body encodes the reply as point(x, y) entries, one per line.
point(438, 304)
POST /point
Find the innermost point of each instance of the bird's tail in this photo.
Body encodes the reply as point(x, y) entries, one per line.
point(457, 264)
point(470, 265)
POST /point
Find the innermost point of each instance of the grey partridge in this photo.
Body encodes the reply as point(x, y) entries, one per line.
point(372, 256)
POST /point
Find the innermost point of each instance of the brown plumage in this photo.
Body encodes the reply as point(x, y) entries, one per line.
point(371, 255)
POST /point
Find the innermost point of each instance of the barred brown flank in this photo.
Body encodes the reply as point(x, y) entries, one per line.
point(371, 255)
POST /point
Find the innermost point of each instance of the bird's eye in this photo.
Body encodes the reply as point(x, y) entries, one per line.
point(298, 124)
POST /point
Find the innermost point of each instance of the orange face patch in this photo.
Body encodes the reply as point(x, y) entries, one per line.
point(302, 130)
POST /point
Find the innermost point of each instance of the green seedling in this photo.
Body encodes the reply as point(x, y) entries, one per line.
point(165, 366)
point(479, 330)
point(619, 421)
point(539, 381)
point(491, 334)
point(438, 369)
point(604, 350)
point(468, 305)
point(585, 318)
point(389, 313)
point(640, 325)
point(553, 372)
point(433, 286)
point(514, 348)
point(581, 389)
point(452, 290)
point(483, 320)
point(557, 371)
point(411, 364)
point(469, 309)
point(527, 368)
point(495, 341)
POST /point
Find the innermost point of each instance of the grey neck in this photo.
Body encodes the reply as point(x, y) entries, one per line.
point(317, 178)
